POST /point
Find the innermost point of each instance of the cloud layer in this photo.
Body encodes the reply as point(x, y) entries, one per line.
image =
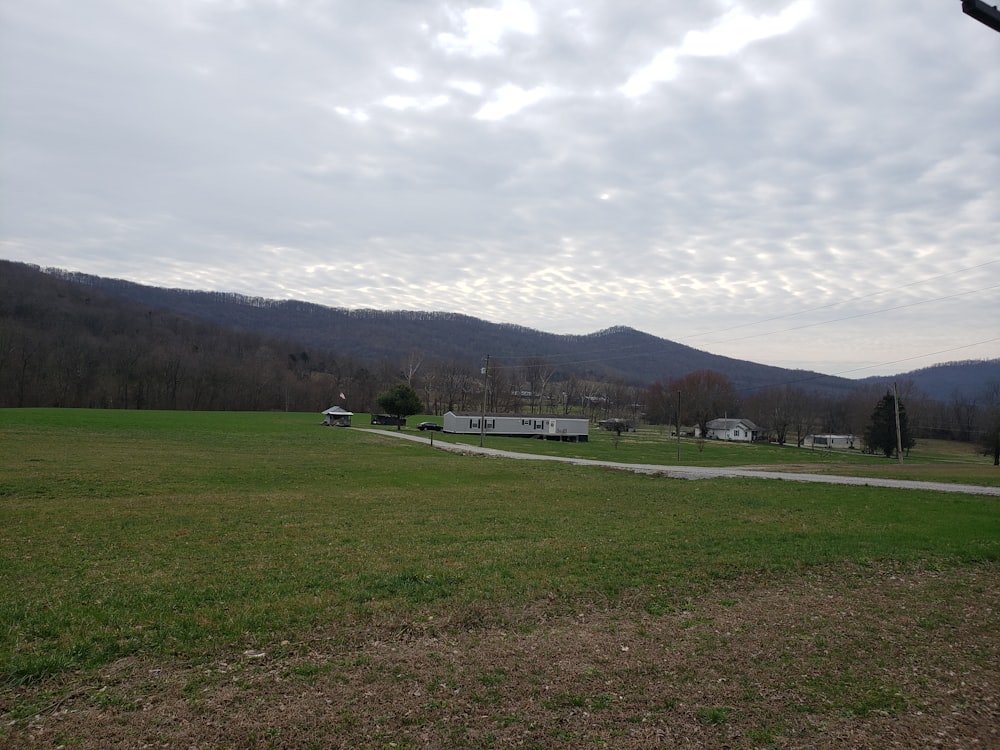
point(797, 182)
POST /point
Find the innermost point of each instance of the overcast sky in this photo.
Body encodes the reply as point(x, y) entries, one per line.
point(803, 183)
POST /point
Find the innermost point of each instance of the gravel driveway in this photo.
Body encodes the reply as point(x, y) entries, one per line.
point(706, 472)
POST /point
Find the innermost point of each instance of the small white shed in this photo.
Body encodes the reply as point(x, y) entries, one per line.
point(337, 417)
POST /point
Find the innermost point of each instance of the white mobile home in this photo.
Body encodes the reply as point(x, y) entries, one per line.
point(572, 429)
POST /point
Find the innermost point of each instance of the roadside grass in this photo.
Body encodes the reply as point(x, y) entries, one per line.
point(182, 538)
point(930, 460)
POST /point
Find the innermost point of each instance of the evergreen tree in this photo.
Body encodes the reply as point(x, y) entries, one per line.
point(400, 401)
point(880, 435)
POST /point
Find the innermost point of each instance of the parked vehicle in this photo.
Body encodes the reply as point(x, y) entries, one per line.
point(429, 426)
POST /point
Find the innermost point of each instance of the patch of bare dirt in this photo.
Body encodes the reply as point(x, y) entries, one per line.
point(831, 658)
point(805, 468)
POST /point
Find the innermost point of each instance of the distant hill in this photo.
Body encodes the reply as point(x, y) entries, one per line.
point(945, 382)
point(64, 344)
point(619, 352)
point(389, 337)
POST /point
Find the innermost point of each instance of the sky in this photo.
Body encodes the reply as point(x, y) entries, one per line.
point(801, 183)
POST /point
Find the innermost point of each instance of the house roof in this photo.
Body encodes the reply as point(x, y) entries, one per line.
point(491, 415)
point(729, 424)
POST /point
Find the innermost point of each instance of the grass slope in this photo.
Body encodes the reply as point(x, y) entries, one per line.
point(138, 541)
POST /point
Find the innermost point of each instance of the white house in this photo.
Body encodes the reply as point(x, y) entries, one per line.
point(337, 417)
point(571, 429)
point(739, 430)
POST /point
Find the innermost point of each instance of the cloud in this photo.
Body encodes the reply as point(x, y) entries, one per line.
point(562, 165)
point(508, 100)
point(482, 29)
point(729, 35)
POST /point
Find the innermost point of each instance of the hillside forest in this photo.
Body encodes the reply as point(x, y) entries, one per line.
point(66, 344)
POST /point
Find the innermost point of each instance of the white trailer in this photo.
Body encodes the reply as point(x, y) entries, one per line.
point(550, 427)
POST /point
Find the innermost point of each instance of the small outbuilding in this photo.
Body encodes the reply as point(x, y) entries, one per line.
point(335, 416)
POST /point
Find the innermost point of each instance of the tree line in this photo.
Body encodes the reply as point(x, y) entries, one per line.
point(64, 344)
point(788, 414)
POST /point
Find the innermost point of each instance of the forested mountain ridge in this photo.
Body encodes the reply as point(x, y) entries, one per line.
point(378, 336)
point(949, 380)
point(70, 339)
point(67, 344)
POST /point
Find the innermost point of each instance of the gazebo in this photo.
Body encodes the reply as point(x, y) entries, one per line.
point(337, 417)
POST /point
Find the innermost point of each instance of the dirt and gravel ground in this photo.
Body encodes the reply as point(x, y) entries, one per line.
point(840, 657)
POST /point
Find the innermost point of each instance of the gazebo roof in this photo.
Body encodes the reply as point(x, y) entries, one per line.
point(337, 411)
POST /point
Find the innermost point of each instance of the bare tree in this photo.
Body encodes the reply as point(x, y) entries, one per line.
point(570, 393)
point(428, 384)
point(454, 381)
point(802, 410)
point(963, 416)
point(765, 408)
point(706, 395)
point(537, 374)
point(661, 403)
point(410, 366)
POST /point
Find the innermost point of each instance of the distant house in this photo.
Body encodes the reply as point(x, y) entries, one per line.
point(337, 417)
point(571, 429)
point(829, 441)
point(739, 430)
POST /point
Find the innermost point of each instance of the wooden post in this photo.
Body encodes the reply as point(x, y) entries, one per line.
point(899, 434)
point(482, 418)
point(678, 426)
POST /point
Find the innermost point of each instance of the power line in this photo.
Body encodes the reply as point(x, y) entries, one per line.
point(843, 373)
point(918, 356)
point(858, 315)
point(848, 300)
point(604, 354)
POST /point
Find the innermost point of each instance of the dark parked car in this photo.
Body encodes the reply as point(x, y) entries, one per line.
point(429, 426)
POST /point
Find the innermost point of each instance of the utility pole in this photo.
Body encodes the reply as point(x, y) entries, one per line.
point(482, 418)
point(899, 434)
point(678, 426)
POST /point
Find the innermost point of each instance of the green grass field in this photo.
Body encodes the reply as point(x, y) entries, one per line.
point(930, 460)
point(177, 538)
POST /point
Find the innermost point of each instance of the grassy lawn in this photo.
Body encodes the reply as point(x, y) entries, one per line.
point(219, 566)
point(930, 460)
